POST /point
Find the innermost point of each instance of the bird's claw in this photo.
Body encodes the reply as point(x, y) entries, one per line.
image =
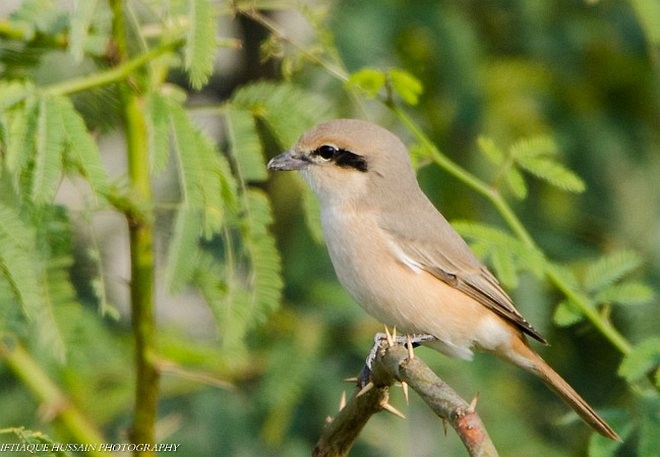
point(409, 341)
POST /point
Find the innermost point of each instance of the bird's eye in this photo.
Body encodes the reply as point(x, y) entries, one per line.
point(326, 151)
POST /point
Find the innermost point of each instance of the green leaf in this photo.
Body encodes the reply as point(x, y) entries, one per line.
point(80, 21)
point(642, 359)
point(287, 110)
point(183, 252)
point(505, 268)
point(41, 15)
point(245, 145)
point(248, 286)
point(12, 92)
point(158, 131)
point(205, 178)
point(263, 254)
point(626, 293)
point(405, 85)
point(224, 291)
point(48, 157)
point(492, 152)
point(19, 265)
point(516, 183)
point(82, 150)
point(56, 293)
point(22, 132)
point(370, 81)
point(610, 268)
point(535, 146)
point(201, 42)
point(566, 314)
point(502, 244)
point(564, 273)
point(552, 172)
point(420, 155)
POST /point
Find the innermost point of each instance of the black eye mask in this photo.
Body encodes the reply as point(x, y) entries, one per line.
point(341, 157)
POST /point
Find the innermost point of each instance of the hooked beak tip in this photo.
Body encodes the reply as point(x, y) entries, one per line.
point(286, 162)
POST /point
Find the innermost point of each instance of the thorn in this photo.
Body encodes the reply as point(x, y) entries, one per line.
point(411, 353)
point(365, 389)
point(404, 387)
point(388, 335)
point(473, 404)
point(353, 379)
point(328, 419)
point(342, 400)
point(444, 426)
point(391, 409)
point(393, 335)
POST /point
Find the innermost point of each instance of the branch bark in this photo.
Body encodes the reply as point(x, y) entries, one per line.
point(394, 364)
point(141, 233)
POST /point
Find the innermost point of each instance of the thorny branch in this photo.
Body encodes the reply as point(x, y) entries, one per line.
point(392, 364)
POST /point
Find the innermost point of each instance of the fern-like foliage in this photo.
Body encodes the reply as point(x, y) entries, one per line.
point(265, 280)
point(44, 136)
point(220, 239)
point(47, 170)
point(80, 23)
point(507, 254)
point(158, 127)
point(534, 155)
point(287, 110)
point(19, 266)
point(35, 260)
point(201, 42)
point(610, 268)
point(244, 289)
point(245, 145)
point(605, 282)
point(183, 252)
point(81, 151)
point(206, 181)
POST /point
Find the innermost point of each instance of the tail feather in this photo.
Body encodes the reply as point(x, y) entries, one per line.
point(536, 365)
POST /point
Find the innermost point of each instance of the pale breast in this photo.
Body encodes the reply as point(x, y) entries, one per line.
point(394, 290)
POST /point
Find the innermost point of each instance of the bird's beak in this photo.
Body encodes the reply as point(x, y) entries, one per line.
point(287, 161)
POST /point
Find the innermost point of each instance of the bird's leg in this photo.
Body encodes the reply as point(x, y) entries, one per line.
point(409, 341)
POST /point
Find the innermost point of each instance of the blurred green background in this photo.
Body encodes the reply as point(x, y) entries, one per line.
point(584, 72)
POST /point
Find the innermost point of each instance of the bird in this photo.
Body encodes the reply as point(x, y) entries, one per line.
point(403, 262)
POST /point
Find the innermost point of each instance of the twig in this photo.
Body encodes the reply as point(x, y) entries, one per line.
point(393, 364)
point(23, 365)
point(441, 398)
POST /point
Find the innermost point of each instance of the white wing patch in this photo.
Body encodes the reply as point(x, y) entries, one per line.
point(403, 258)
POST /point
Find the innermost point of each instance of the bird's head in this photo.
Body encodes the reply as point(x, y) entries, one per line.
point(348, 160)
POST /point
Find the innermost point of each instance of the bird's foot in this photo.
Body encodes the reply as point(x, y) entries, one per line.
point(409, 341)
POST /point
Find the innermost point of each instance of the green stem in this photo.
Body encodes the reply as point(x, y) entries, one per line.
point(118, 73)
point(21, 363)
point(141, 233)
point(465, 176)
point(582, 302)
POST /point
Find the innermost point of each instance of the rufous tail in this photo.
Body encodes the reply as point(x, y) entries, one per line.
point(537, 366)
